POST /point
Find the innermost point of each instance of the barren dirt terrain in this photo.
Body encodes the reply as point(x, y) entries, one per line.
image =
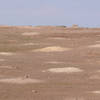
point(49, 63)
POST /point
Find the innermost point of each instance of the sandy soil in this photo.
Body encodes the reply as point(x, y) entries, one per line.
point(64, 70)
point(49, 63)
point(52, 49)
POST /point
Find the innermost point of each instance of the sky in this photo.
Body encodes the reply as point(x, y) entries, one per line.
point(85, 13)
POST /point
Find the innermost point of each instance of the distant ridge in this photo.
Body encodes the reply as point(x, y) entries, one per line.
point(74, 26)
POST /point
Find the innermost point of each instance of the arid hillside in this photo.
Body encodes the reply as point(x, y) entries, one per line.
point(49, 63)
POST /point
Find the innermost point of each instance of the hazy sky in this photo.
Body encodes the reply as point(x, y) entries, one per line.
point(50, 12)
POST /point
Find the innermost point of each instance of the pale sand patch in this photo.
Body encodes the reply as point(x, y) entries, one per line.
point(30, 33)
point(6, 67)
point(97, 35)
point(98, 41)
point(57, 38)
point(2, 59)
point(64, 70)
point(29, 44)
point(95, 46)
point(95, 92)
point(32, 44)
point(95, 77)
point(55, 62)
point(19, 80)
point(52, 49)
point(98, 70)
point(6, 53)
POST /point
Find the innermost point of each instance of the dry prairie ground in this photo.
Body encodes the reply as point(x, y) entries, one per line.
point(49, 63)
